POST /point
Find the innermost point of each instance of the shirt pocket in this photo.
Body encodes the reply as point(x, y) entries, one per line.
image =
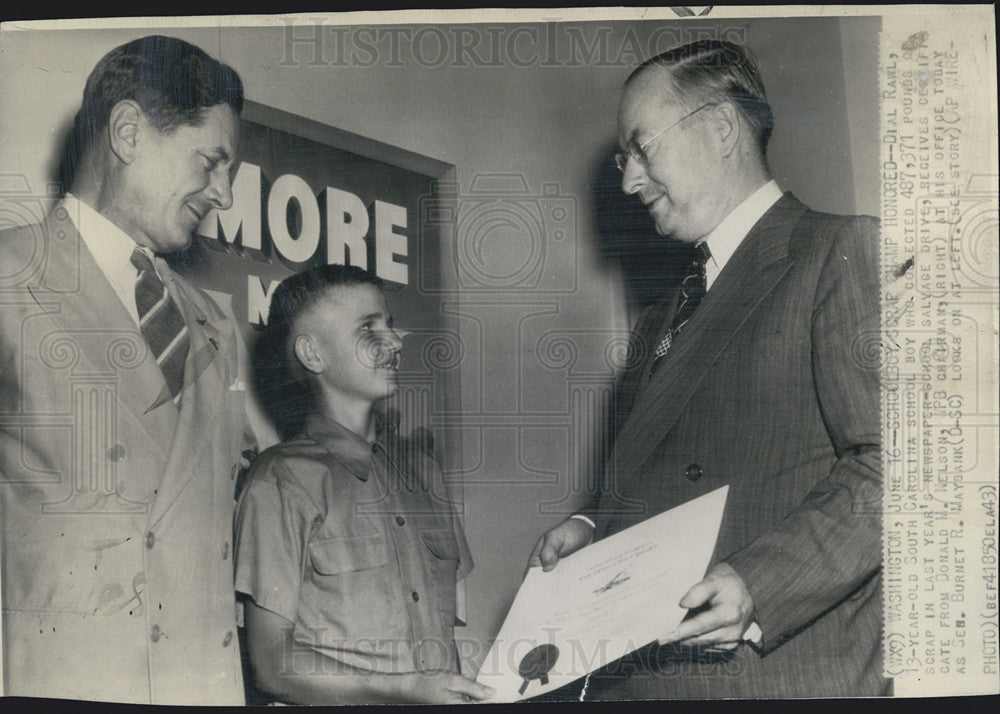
point(351, 595)
point(441, 542)
point(444, 556)
point(335, 556)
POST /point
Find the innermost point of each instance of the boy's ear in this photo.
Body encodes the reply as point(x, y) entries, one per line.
point(307, 354)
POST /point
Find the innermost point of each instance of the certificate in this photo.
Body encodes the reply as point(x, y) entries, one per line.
point(602, 602)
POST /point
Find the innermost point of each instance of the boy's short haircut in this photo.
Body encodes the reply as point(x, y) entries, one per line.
point(285, 397)
point(297, 293)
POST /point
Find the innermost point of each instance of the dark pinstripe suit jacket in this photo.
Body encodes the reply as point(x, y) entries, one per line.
point(772, 388)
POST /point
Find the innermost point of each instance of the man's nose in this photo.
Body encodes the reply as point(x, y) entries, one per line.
point(632, 176)
point(220, 190)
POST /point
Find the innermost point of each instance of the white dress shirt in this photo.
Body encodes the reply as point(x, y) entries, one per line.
point(727, 236)
point(111, 247)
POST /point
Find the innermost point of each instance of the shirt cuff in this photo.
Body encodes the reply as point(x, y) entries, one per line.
point(753, 635)
point(585, 519)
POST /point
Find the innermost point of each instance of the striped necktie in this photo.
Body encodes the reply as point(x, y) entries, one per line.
point(693, 289)
point(162, 326)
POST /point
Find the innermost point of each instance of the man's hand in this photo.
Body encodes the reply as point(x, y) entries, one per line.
point(729, 614)
point(566, 538)
point(443, 688)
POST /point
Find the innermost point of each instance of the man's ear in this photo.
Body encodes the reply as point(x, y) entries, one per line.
point(307, 354)
point(727, 127)
point(123, 129)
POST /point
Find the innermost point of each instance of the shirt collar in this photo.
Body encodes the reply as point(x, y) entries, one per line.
point(727, 236)
point(111, 246)
point(351, 450)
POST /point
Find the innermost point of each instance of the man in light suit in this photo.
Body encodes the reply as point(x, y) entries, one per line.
point(756, 373)
point(121, 408)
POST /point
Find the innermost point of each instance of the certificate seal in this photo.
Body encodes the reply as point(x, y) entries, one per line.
point(537, 664)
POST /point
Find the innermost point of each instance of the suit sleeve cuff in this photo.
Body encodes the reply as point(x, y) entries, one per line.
point(754, 635)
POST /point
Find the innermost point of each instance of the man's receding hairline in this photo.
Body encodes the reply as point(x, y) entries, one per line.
point(666, 91)
point(644, 68)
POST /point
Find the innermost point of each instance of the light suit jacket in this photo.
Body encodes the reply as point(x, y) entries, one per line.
point(772, 389)
point(116, 523)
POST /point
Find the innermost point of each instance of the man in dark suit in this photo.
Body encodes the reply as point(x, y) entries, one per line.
point(755, 373)
point(122, 403)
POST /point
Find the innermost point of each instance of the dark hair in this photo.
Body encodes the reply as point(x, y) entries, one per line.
point(713, 71)
point(283, 394)
point(172, 80)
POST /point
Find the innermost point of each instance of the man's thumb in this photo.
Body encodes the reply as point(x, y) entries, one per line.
point(696, 596)
point(549, 554)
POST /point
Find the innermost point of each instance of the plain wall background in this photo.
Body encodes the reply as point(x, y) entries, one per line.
point(525, 410)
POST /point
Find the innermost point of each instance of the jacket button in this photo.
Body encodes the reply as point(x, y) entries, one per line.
point(693, 472)
point(400, 520)
point(225, 550)
point(116, 453)
point(150, 540)
point(228, 639)
point(155, 633)
point(416, 596)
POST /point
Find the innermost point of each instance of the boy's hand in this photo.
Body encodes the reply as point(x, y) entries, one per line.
point(444, 688)
point(565, 539)
point(270, 643)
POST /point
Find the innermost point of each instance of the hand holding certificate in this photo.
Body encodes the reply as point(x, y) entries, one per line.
point(602, 602)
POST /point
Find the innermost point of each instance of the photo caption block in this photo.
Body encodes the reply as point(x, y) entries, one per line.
point(939, 347)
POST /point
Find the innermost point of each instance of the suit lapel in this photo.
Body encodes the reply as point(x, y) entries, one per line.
point(98, 324)
point(648, 329)
point(753, 271)
point(203, 395)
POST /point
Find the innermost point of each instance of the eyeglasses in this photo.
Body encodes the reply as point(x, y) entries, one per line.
point(639, 154)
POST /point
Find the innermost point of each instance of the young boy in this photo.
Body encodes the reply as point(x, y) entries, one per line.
point(347, 560)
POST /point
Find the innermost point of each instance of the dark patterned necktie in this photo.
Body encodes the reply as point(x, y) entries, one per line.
point(692, 291)
point(161, 324)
